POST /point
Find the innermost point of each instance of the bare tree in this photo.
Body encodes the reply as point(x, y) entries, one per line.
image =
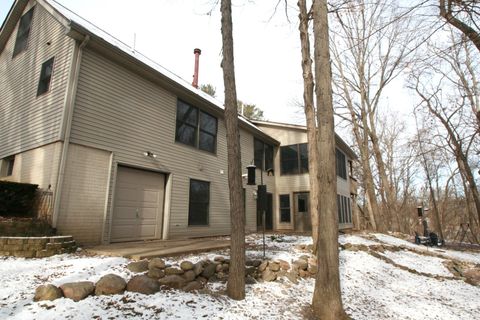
point(236, 277)
point(327, 299)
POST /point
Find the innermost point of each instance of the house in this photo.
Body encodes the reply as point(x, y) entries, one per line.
point(130, 151)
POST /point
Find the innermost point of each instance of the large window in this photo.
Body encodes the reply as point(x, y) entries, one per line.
point(6, 166)
point(195, 127)
point(344, 209)
point(199, 202)
point(284, 208)
point(45, 77)
point(341, 164)
point(23, 32)
point(294, 159)
point(263, 154)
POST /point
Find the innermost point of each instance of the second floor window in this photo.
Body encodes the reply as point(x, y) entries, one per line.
point(45, 77)
point(263, 154)
point(196, 127)
point(294, 159)
point(23, 32)
point(341, 164)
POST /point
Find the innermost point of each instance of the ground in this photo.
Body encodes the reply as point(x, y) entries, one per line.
point(403, 281)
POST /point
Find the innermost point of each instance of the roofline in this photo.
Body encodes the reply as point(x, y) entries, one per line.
point(338, 140)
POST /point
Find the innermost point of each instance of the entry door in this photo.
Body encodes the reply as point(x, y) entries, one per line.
point(138, 205)
point(303, 221)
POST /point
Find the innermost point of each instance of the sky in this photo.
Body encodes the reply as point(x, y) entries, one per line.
point(267, 51)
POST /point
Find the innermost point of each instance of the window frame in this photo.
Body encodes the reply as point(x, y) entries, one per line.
point(42, 80)
point(7, 165)
point(340, 166)
point(299, 168)
point(198, 128)
point(344, 209)
point(191, 209)
point(289, 208)
point(262, 163)
point(23, 34)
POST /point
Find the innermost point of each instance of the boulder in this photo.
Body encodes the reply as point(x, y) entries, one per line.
point(198, 268)
point(268, 275)
point(209, 270)
point(472, 275)
point(77, 290)
point(303, 273)
point(186, 265)
point(263, 266)
point(219, 259)
point(173, 271)
point(143, 284)
point(189, 275)
point(250, 280)
point(202, 280)
point(312, 268)
point(312, 261)
point(193, 286)
point(47, 292)
point(250, 270)
point(292, 276)
point(156, 263)
point(253, 263)
point(225, 267)
point(110, 284)
point(301, 264)
point(156, 273)
point(138, 266)
point(304, 257)
point(284, 265)
point(219, 267)
point(172, 281)
point(273, 266)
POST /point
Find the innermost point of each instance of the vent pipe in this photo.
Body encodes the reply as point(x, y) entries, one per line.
point(197, 53)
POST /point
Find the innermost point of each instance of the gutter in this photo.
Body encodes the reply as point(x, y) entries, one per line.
point(69, 104)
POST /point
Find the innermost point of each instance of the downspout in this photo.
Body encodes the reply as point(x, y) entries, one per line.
point(67, 123)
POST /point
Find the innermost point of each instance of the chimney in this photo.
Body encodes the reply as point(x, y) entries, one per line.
point(197, 53)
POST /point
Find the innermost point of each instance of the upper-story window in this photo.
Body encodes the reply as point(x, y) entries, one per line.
point(341, 164)
point(45, 77)
point(196, 127)
point(23, 32)
point(294, 159)
point(6, 166)
point(263, 154)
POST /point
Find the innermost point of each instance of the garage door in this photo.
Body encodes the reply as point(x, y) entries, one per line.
point(138, 205)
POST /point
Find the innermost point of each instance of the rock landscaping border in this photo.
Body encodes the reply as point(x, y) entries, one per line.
point(36, 247)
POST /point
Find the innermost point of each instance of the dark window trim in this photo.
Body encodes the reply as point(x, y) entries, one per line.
point(25, 34)
point(190, 203)
point(43, 77)
point(300, 169)
point(7, 166)
point(341, 167)
point(285, 208)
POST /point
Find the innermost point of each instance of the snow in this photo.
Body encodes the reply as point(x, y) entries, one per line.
point(372, 288)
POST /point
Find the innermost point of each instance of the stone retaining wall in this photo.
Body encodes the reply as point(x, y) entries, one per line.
point(36, 247)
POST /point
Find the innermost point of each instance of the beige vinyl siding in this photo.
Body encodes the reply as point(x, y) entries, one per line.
point(119, 111)
point(28, 121)
point(84, 194)
point(38, 166)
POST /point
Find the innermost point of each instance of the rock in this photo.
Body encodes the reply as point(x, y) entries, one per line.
point(110, 284)
point(172, 281)
point(472, 275)
point(312, 261)
point(219, 268)
point(225, 267)
point(47, 292)
point(189, 275)
point(219, 259)
point(173, 271)
point(304, 257)
point(209, 270)
point(202, 280)
point(156, 273)
point(156, 263)
point(292, 276)
point(250, 280)
point(263, 266)
point(273, 266)
point(284, 265)
point(250, 271)
point(268, 275)
point(138, 266)
point(186, 265)
point(281, 273)
point(312, 268)
point(193, 286)
point(143, 284)
point(303, 273)
point(301, 264)
point(253, 263)
point(77, 290)
point(198, 268)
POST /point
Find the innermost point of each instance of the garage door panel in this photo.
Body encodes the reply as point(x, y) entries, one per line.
point(138, 205)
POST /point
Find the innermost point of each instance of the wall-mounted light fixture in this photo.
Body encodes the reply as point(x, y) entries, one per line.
point(150, 154)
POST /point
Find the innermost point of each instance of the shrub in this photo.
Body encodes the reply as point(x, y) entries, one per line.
point(17, 199)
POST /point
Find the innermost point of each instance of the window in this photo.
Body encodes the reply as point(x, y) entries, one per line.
point(294, 159)
point(195, 127)
point(344, 209)
point(23, 32)
point(6, 168)
point(263, 154)
point(341, 164)
point(284, 208)
point(199, 202)
point(45, 77)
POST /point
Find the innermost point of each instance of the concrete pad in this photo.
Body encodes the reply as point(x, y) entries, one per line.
point(159, 248)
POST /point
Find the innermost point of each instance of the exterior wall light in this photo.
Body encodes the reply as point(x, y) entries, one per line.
point(149, 154)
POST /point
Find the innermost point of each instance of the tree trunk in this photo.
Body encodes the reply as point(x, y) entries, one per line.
point(327, 299)
point(309, 108)
point(236, 277)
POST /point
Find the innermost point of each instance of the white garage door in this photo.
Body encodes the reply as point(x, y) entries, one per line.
point(138, 205)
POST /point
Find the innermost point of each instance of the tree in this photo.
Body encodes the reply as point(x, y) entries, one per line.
point(327, 299)
point(249, 111)
point(236, 277)
point(209, 89)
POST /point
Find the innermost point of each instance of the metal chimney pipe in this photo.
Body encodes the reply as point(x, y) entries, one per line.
point(197, 53)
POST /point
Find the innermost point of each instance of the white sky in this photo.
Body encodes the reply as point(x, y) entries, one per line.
point(267, 51)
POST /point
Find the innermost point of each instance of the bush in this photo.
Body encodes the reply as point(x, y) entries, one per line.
point(25, 227)
point(17, 199)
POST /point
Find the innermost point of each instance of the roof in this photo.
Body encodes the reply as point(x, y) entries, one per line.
point(339, 141)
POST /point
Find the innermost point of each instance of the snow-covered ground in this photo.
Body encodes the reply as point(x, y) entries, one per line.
point(372, 288)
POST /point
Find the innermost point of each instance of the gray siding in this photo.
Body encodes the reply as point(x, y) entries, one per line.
point(119, 111)
point(28, 121)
